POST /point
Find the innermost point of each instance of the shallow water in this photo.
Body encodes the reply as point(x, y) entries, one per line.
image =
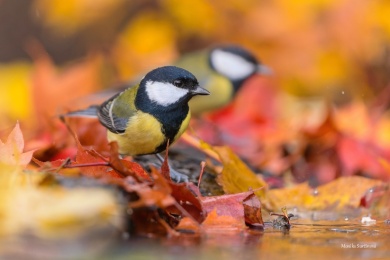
point(308, 238)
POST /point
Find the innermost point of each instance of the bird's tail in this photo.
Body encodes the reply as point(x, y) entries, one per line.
point(88, 112)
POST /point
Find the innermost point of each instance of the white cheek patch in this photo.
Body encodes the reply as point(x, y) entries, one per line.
point(231, 65)
point(164, 93)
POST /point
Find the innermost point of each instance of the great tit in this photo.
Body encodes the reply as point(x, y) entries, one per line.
point(222, 71)
point(145, 117)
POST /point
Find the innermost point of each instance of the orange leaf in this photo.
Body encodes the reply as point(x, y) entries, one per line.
point(188, 224)
point(221, 223)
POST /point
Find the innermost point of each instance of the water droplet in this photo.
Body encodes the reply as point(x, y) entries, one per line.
point(315, 192)
point(346, 218)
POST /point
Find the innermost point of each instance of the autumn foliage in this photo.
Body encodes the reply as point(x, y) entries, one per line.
point(314, 136)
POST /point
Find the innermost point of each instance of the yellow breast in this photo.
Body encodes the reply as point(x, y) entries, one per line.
point(143, 135)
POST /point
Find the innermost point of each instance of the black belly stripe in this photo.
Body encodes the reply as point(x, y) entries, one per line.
point(170, 125)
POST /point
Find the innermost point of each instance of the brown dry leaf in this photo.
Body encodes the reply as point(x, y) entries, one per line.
point(158, 195)
point(190, 201)
point(252, 210)
point(338, 194)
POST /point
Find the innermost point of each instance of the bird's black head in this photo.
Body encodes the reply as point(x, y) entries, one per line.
point(235, 63)
point(167, 87)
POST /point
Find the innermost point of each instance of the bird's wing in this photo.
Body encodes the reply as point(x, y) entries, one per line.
point(88, 112)
point(116, 112)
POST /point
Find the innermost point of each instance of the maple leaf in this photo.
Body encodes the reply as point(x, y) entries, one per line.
point(11, 152)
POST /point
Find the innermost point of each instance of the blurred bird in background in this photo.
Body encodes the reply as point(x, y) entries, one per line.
point(222, 70)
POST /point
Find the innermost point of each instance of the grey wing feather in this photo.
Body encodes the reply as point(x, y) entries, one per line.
point(91, 111)
point(111, 120)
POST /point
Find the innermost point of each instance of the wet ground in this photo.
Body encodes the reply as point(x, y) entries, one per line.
point(305, 240)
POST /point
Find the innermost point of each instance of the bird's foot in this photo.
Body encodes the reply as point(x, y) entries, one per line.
point(177, 176)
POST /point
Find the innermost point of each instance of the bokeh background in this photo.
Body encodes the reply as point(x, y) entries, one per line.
point(324, 112)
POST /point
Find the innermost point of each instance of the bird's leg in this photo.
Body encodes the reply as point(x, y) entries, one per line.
point(175, 175)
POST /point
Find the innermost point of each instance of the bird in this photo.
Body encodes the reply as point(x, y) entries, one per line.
point(222, 70)
point(146, 117)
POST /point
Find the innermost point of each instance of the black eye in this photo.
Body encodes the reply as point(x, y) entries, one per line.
point(178, 83)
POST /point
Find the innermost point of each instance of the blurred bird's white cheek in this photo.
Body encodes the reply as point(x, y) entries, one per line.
point(231, 65)
point(164, 93)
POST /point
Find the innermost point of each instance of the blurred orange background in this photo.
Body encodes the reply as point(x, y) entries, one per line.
point(324, 53)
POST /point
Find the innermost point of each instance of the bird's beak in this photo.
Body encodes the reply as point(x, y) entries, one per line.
point(200, 91)
point(264, 70)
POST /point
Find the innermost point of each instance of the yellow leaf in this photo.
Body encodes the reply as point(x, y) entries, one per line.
point(15, 97)
point(149, 40)
point(194, 16)
point(339, 194)
point(52, 211)
point(71, 15)
point(236, 176)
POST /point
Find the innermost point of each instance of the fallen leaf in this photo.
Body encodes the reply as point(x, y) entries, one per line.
point(159, 194)
point(191, 202)
point(187, 224)
point(11, 152)
point(227, 205)
point(215, 223)
point(52, 210)
point(252, 211)
point(339, 194)
point(236, 176)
